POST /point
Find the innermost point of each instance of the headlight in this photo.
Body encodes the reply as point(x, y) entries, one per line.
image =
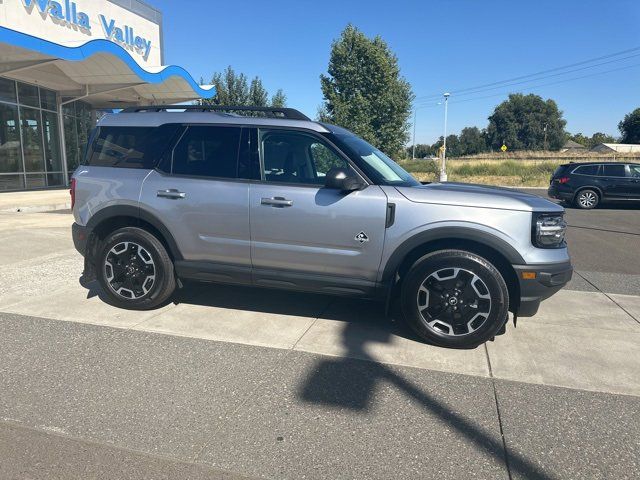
point(548, 230)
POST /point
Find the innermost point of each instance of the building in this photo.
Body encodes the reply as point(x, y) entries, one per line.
point(63, 63)
point(617, 148)
point(571, 146)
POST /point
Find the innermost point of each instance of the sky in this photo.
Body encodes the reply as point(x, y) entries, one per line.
point(442, 46)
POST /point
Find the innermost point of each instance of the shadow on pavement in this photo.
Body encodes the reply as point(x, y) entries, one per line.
point(338, 383)
point(280, 302)
point(345, 382)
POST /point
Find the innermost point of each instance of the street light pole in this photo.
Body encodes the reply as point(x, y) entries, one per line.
point(443, 171)
point(413, 153)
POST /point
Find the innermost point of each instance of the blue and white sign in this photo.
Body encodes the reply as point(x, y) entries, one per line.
point(67, 13)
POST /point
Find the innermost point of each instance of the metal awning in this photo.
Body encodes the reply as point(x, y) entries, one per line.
point(99, 72)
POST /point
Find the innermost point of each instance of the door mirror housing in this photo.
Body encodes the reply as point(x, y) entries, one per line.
point(343, 179)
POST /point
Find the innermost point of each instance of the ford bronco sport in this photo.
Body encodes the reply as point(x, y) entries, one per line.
point(267, 197)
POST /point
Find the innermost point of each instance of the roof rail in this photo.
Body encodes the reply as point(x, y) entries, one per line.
point(277, 112)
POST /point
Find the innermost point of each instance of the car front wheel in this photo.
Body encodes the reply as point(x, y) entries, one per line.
point(135, 270)
point(455, 298)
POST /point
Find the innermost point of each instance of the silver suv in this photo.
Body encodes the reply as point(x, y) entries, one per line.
point(267, 197)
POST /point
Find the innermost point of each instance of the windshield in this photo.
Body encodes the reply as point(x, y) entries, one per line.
point(380, 168)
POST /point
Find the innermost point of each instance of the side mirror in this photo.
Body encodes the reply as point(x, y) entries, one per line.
point(343, 179)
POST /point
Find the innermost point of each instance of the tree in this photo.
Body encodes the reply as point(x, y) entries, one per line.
point(365, 92)
point(520, 123)
point(472, 141)
point(454, 147)
point(630, 127)
point(422, 150)
point(600, 137)
point(258, 96)
point(581, 139)
point(592, 141)
point(279, 99)
point(234, 89)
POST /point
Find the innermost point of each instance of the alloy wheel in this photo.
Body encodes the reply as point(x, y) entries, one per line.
point(454, 301)
point(129, 270)
point(587, 199)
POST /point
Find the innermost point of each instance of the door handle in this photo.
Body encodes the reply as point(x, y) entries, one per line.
point(171, 193)
point(278, 202)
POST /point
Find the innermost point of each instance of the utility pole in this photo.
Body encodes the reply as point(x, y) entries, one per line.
point(545, 137)
point(443, 171)
point(415, 114)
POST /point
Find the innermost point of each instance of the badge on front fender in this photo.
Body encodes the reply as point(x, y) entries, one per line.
point(362, 237)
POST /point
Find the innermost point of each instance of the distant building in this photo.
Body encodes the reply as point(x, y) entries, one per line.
point(617, 148)
point(571, 146)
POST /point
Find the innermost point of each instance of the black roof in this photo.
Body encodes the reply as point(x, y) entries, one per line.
point(272, 112)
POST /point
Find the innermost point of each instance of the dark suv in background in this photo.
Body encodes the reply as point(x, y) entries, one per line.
point(586, 185)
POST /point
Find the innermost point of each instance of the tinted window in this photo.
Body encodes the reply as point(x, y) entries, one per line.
point(130, 147)
point(294, 157)
point(7, 90)
point(587, 170)
point(634, 171)
point(28, 95)
point(48, 99)
point(613, 170)
point(208, 152)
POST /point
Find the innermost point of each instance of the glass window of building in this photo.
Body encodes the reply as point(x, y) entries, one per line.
point(28, 95)
point(10, 156)
point(30, 144)
point(7, 90)
point(78, 122)
point(52, 151)
point(48, 100)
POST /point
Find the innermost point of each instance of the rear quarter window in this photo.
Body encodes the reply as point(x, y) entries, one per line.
point(130, 147)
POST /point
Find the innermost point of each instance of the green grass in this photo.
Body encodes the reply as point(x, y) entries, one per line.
point(532, 173)
point(507, 168)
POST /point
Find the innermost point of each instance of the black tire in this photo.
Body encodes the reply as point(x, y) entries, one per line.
point(135, 270)
point(480, 293)
point(587, 199)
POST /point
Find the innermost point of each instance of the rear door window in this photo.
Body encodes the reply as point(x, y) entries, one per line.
point(613, 171)
point(587, 170)
point(205, 151)
point(130, 147)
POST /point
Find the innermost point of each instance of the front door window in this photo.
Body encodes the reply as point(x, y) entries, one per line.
point(297, 158)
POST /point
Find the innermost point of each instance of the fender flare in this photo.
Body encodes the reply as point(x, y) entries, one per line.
point(140, 215)
point(449, 233)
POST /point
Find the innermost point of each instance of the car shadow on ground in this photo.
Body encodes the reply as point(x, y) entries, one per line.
point(350, 381)
point(350, 384)
point(280, 302)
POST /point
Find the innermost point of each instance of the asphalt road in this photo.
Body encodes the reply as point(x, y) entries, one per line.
point(605, 246)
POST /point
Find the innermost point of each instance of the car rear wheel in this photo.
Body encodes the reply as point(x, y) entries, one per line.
point(455, 298)
point(587, 199)
point(135, 270)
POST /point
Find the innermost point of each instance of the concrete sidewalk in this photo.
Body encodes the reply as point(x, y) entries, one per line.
point(35, 201)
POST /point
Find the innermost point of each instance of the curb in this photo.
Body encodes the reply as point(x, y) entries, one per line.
point(38, 208)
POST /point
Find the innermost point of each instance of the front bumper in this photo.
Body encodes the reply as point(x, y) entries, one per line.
point(545, 281)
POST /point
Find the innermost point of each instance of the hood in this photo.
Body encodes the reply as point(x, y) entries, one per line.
point(470, 195)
